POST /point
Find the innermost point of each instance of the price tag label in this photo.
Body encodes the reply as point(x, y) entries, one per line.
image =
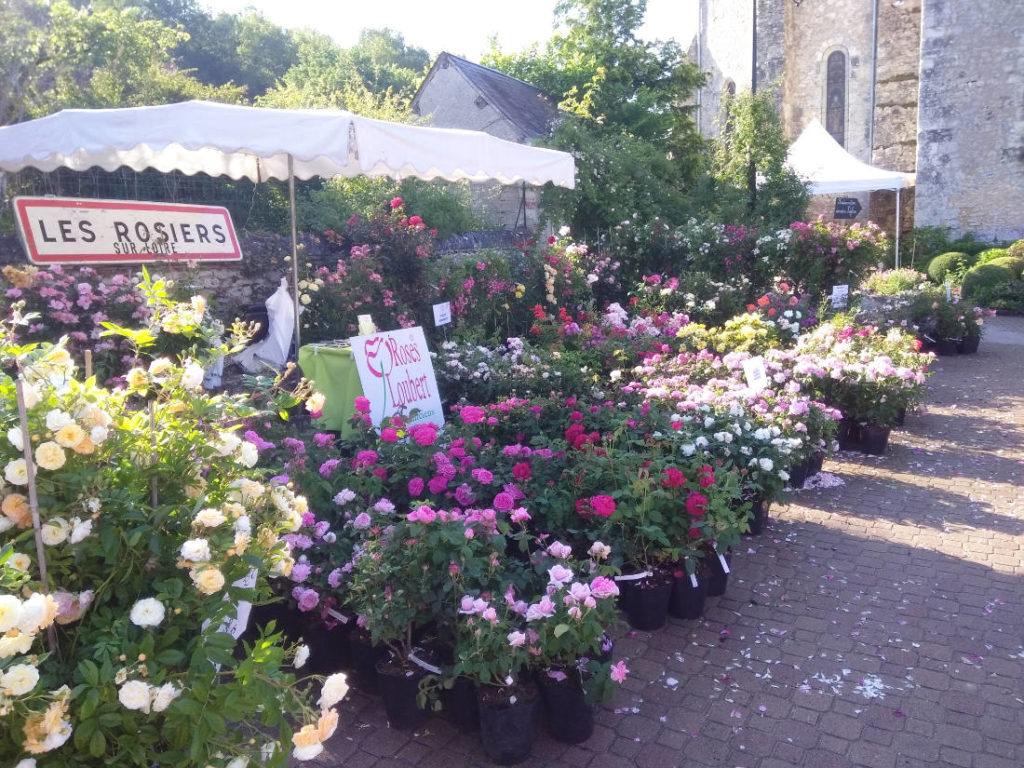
point(424, 665)
point(341, 617)
point(949, 291)
point(725, 564)
point(693, 580)
point(366, 325)
point(840, 293)
point(634, 576)
point(753, 370)
point(442, 313)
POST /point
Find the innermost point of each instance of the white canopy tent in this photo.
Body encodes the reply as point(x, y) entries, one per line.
point(829, 169)
point(259, 144)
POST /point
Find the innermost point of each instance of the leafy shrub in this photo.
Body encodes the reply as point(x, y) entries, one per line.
point(985, 276)
point(826, 253)
point(990, 255)
point(1001, 296)
point(889, 282)
point(1016, 249)
point(950, 265)
point(1014, 263)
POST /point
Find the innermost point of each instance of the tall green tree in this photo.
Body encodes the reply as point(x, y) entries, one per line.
point(750, 156)
point(627, 105)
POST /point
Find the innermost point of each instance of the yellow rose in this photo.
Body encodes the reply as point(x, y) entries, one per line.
point(327, 724)
point(70, 435)
point(85, 447)
point(307, 743)
point(93, 416)
point(50, 456)
point(175, 406)
point(160, 367)
point(15, 506)
point(199, 305)
point(208, 580)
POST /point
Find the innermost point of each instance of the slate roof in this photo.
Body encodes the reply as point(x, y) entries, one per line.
point(528, 108)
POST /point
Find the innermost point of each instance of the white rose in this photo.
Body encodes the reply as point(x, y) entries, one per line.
point(16, 645)
point(196, 551)
point(248, 454)
point(766, 464)
point(55, 531)
point(38, 612)
point(5, 524)
point(147, 612)
point(98, 434)
point(228, 443)
point(210, 517)
point(10, 612)
point(243, 524)
point(14, 436)
point(334, 690)
point(135, 695)
point(32, 396)
point(783, 475)
point(163, 696)
point(301, 656)
point(80, 529)
point(19, 680)
point(57, 418)
point(16, 472)
point(28, 762)
point(192, 375)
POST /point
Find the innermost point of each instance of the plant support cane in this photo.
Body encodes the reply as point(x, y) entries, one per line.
point(33, 501)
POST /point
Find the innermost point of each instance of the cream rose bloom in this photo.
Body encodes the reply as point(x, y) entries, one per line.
point(57, 418)
point(15, 645)
point(55, 531)
point(14, 437)
point(307, 743)
point(10, 612)
point(210, 517)
point(301, 656)
point(19, 561)
point(69, 436)
point(160, 367)
point(196, 551)
point(15, 507)
point(164, 695)
point(93, 416)
point(147, 612)
point(50, 456)
point(334, 690)
point(80, 530)
point(16, 472)
point(32, 396)
point(137, 379)
point(248, 454)
point(192, 375)
point(19, 679)
point(208, 580)
point(135, 695)
point(38, 612)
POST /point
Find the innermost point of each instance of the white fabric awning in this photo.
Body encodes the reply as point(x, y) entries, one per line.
point(828, 169)
point(254, 143)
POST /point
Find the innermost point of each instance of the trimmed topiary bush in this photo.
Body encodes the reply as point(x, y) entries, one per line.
point(951, 264)
point(990, 255)
point(1015, 263)
point(1016, 249)
point(986, 276)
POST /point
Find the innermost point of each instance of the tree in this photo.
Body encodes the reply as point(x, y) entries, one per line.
point(752, 145)
point(384, 62)
point(628, 109)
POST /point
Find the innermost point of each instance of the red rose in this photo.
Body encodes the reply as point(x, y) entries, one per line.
point(697, 504)
point(672, 478)
point(603, 506)
point(522, 471)
point(764, 301)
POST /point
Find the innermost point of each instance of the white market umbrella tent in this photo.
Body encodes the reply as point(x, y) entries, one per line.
point(829, 169)
point(258, 144)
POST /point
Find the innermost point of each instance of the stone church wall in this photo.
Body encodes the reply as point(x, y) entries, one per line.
point(970, 156)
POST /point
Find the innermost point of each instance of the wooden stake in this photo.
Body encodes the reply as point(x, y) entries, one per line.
point(152, 442)
point(33, 500)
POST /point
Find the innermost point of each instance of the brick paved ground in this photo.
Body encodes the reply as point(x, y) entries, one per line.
point(880, 623)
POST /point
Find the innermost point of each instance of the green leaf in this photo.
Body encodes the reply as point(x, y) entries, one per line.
point(89, 672)
point(97, 744)
point(561, 629)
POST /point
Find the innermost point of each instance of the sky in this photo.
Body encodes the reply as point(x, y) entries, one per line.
point(462, 27)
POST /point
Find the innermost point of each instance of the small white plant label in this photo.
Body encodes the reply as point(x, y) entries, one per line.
point(693, 580)
point(757, 377)
point(633, 576)
point(839, 295)
point(442, 313)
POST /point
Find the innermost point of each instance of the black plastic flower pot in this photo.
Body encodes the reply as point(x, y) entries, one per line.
point(364, 660)
point(799, 473)
point(506, 727)
point(848, 434)
point(874, 439)
point(570, 718)
point(968, 345)
point(460, 703)
point(757, 516)
point(815, 464)
point(718, 578)
point(687, 601)
point(946, 347)
point(645, 602)
point(399, 685)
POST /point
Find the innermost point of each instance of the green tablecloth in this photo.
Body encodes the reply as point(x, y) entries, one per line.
point(334, 372)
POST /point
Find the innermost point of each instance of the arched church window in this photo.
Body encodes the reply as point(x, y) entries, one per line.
point(835, 96)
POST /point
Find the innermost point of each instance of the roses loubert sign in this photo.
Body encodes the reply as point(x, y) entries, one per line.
point(60, 230)
point(397, 375)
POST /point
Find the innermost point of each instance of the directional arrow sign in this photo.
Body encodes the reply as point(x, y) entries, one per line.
point(846, 208)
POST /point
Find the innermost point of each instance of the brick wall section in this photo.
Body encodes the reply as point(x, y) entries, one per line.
point(970, 157)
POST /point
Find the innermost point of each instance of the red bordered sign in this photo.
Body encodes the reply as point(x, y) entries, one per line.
point(62, 230)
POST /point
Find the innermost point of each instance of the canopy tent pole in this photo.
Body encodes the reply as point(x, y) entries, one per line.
point(295, 249)
point(897, 227)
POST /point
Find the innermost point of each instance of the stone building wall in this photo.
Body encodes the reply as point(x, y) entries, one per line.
point(725, 42)
point(970, 144)
point(896, 87)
